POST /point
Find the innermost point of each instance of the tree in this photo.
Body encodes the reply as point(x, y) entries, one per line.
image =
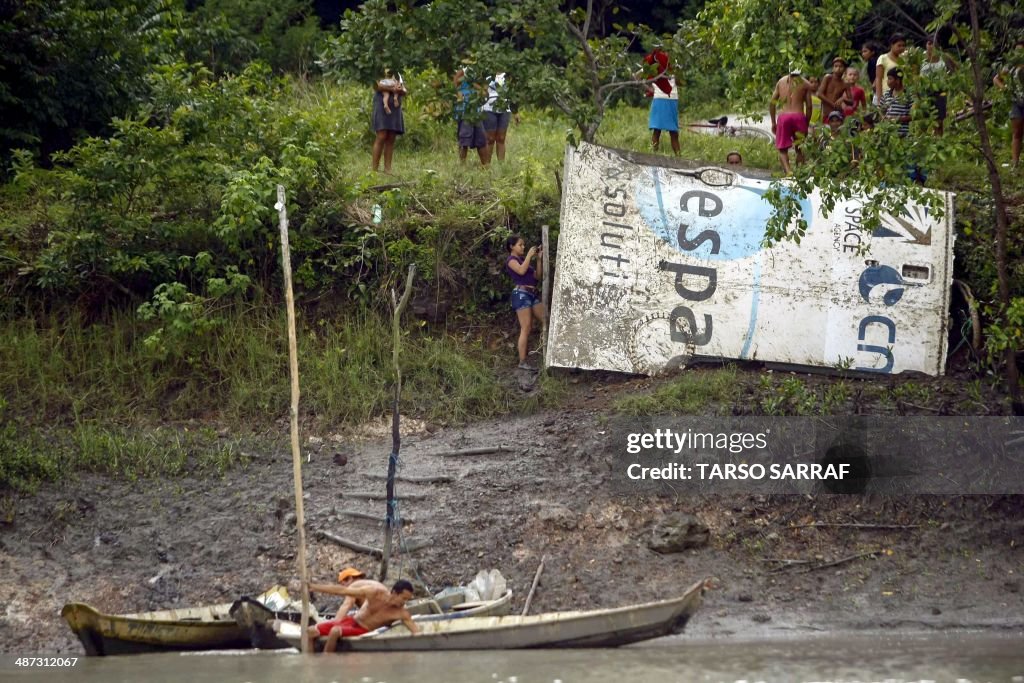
point(1006, 300)
point(577, 71)
point(757, 42)
point(228, 34)
point(555, 58)
point(71, 66)
point(403, 36)
point(605, 69)
point(801, 33)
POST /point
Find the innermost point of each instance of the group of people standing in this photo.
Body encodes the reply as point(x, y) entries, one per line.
point(807, 102)
point(483, 130)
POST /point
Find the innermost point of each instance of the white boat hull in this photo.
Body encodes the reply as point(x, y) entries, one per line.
point(595, 628)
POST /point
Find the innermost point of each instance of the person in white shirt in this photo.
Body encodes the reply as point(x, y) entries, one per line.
point(497, 113)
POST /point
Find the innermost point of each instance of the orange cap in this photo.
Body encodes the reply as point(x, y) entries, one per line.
point(350, 573)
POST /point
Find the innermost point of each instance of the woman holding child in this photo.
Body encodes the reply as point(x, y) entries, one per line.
point(387, 120)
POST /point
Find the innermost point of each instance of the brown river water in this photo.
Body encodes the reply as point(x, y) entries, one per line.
point(958, 657)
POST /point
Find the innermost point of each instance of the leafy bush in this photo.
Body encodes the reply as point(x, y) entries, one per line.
point(181, 198)
point(70, 66)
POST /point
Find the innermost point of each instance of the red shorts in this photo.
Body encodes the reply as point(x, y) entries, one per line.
point(786, 128)
point(349, 627)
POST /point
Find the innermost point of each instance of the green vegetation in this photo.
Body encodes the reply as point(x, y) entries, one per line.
point(33, 454)
point(734, 391)
point(62, 374)
point(781, 395)
point(695, 392)
point(759, 42)
point(24, 463)
point(139, 254)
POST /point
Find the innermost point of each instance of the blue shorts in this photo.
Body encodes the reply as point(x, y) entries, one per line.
point(664, 115)
point(496, 121)
point(522, 298)
point(472, 135)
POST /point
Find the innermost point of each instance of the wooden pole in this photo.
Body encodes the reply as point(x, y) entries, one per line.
point(533, 588)
point(396, 439)
point(293, 365)
point(545, 294)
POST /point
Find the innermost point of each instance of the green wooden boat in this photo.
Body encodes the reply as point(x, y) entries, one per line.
point(193, 628)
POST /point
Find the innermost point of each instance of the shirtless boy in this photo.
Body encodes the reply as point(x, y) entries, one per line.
point(380, 607)
point(832, 88)
point(795, 94)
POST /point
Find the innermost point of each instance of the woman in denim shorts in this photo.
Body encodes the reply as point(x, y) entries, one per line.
point(525, 298)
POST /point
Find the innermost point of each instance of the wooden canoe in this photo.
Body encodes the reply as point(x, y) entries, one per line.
point(194, 628)
point(594, 628)
point(257, 619)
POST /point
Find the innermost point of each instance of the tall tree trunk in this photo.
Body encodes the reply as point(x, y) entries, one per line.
point(1002, 220)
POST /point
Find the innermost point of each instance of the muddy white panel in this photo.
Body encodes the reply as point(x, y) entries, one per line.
point(657, 265)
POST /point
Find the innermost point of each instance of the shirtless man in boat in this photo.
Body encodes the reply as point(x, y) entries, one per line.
point(795, 94)
point(380, 607)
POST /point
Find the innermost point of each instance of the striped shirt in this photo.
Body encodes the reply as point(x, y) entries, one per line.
point(897, 106)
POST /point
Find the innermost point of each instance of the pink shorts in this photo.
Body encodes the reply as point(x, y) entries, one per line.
point(786, 128)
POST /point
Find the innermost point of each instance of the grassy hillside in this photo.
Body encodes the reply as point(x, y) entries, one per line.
point(142, 271)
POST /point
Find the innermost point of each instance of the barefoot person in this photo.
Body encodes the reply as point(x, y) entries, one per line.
point(387, 120)
point(854, 98)
point(795, 94)
point(869, 52)
point(380, 607)
point(387, 85)
point(897, 105)
point(933, 72)
point(470, 130)
point(525, 300)
point(497, 113)
point(664, 94)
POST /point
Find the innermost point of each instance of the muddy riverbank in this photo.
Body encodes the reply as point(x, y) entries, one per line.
point(784, 563)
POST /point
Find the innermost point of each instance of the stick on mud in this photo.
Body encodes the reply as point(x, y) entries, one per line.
point(533, 588)
point(293, 365)
point(484, 450)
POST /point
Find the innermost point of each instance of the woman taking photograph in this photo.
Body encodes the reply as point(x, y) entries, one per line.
point(525, 298)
